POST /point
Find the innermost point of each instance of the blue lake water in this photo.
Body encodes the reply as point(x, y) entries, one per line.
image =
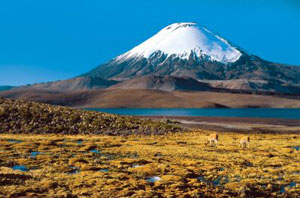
point(252, 112)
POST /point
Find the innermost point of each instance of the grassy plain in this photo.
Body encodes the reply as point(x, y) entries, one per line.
point(115, 166)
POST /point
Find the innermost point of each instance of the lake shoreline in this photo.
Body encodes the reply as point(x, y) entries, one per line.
point(236, 124)
point(261, 113)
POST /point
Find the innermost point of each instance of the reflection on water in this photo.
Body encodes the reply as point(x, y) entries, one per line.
point(137, 166)
point(153, 179)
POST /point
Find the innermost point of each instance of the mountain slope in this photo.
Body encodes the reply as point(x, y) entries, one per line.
point(78, 83)
point(165, 83)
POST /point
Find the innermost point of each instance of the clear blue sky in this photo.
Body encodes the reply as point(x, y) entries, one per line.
point(46, 40)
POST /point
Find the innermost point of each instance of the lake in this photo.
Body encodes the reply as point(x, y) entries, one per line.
point(251, 112)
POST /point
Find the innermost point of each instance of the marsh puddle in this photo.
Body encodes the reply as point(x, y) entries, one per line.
point(202, 179)
point(110, 156)
point(104, 170)
point(264, 186)
point(297, 148)
point(153, 179)
point(279, 178)
point(216, 182)
point(291, 185)
point(74, 170)
point(95, 151)
point(237, 178)
point(34, 154)
point(79, 141)
point(277, 167)
point(14, 141)
point(20, 168)
point(296, 173)
point(158, 155)
point(137, 166)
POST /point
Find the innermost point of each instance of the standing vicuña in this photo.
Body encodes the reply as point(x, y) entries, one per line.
point(213, 139)
point(245, 142)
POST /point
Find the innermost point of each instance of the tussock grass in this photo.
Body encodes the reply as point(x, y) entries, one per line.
point(17, 116)
point(187, 168)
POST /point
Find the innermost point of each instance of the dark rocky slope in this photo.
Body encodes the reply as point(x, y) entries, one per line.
point(78, 83)
point(262, 75)
point(18, 116)
point(165, 83)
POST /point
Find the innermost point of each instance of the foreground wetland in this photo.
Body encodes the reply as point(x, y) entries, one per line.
point(53, 151)
point(172, 165)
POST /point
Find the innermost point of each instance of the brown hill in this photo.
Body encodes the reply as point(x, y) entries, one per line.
point(17, 116)
point(78, 83)
point(139, 98)
point(164, 83)
point(251, 86)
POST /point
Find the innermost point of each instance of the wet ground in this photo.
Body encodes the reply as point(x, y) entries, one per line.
point(172, 165)
point(239, 125)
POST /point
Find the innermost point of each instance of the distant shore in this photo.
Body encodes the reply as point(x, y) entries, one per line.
point(235, 124)
point(143, 98)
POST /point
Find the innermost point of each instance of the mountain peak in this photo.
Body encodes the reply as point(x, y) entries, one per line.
point(184, 39)
point(180, 25)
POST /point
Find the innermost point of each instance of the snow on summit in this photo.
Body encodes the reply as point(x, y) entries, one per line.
point(182, 39)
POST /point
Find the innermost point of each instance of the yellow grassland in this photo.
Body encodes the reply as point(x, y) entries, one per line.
point(186, 167)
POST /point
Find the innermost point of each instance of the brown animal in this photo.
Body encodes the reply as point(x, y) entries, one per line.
point(212, 139)
point(245, 142)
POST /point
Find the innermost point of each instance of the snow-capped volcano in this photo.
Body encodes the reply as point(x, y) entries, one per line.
point(184, 39)
point(180, 49)
point(186, 56)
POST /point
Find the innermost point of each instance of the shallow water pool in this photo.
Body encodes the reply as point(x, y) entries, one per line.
point(153, 179)
point(20, 168)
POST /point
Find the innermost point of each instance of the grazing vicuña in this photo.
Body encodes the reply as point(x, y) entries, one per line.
point(213, 139)
point(245, 142)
